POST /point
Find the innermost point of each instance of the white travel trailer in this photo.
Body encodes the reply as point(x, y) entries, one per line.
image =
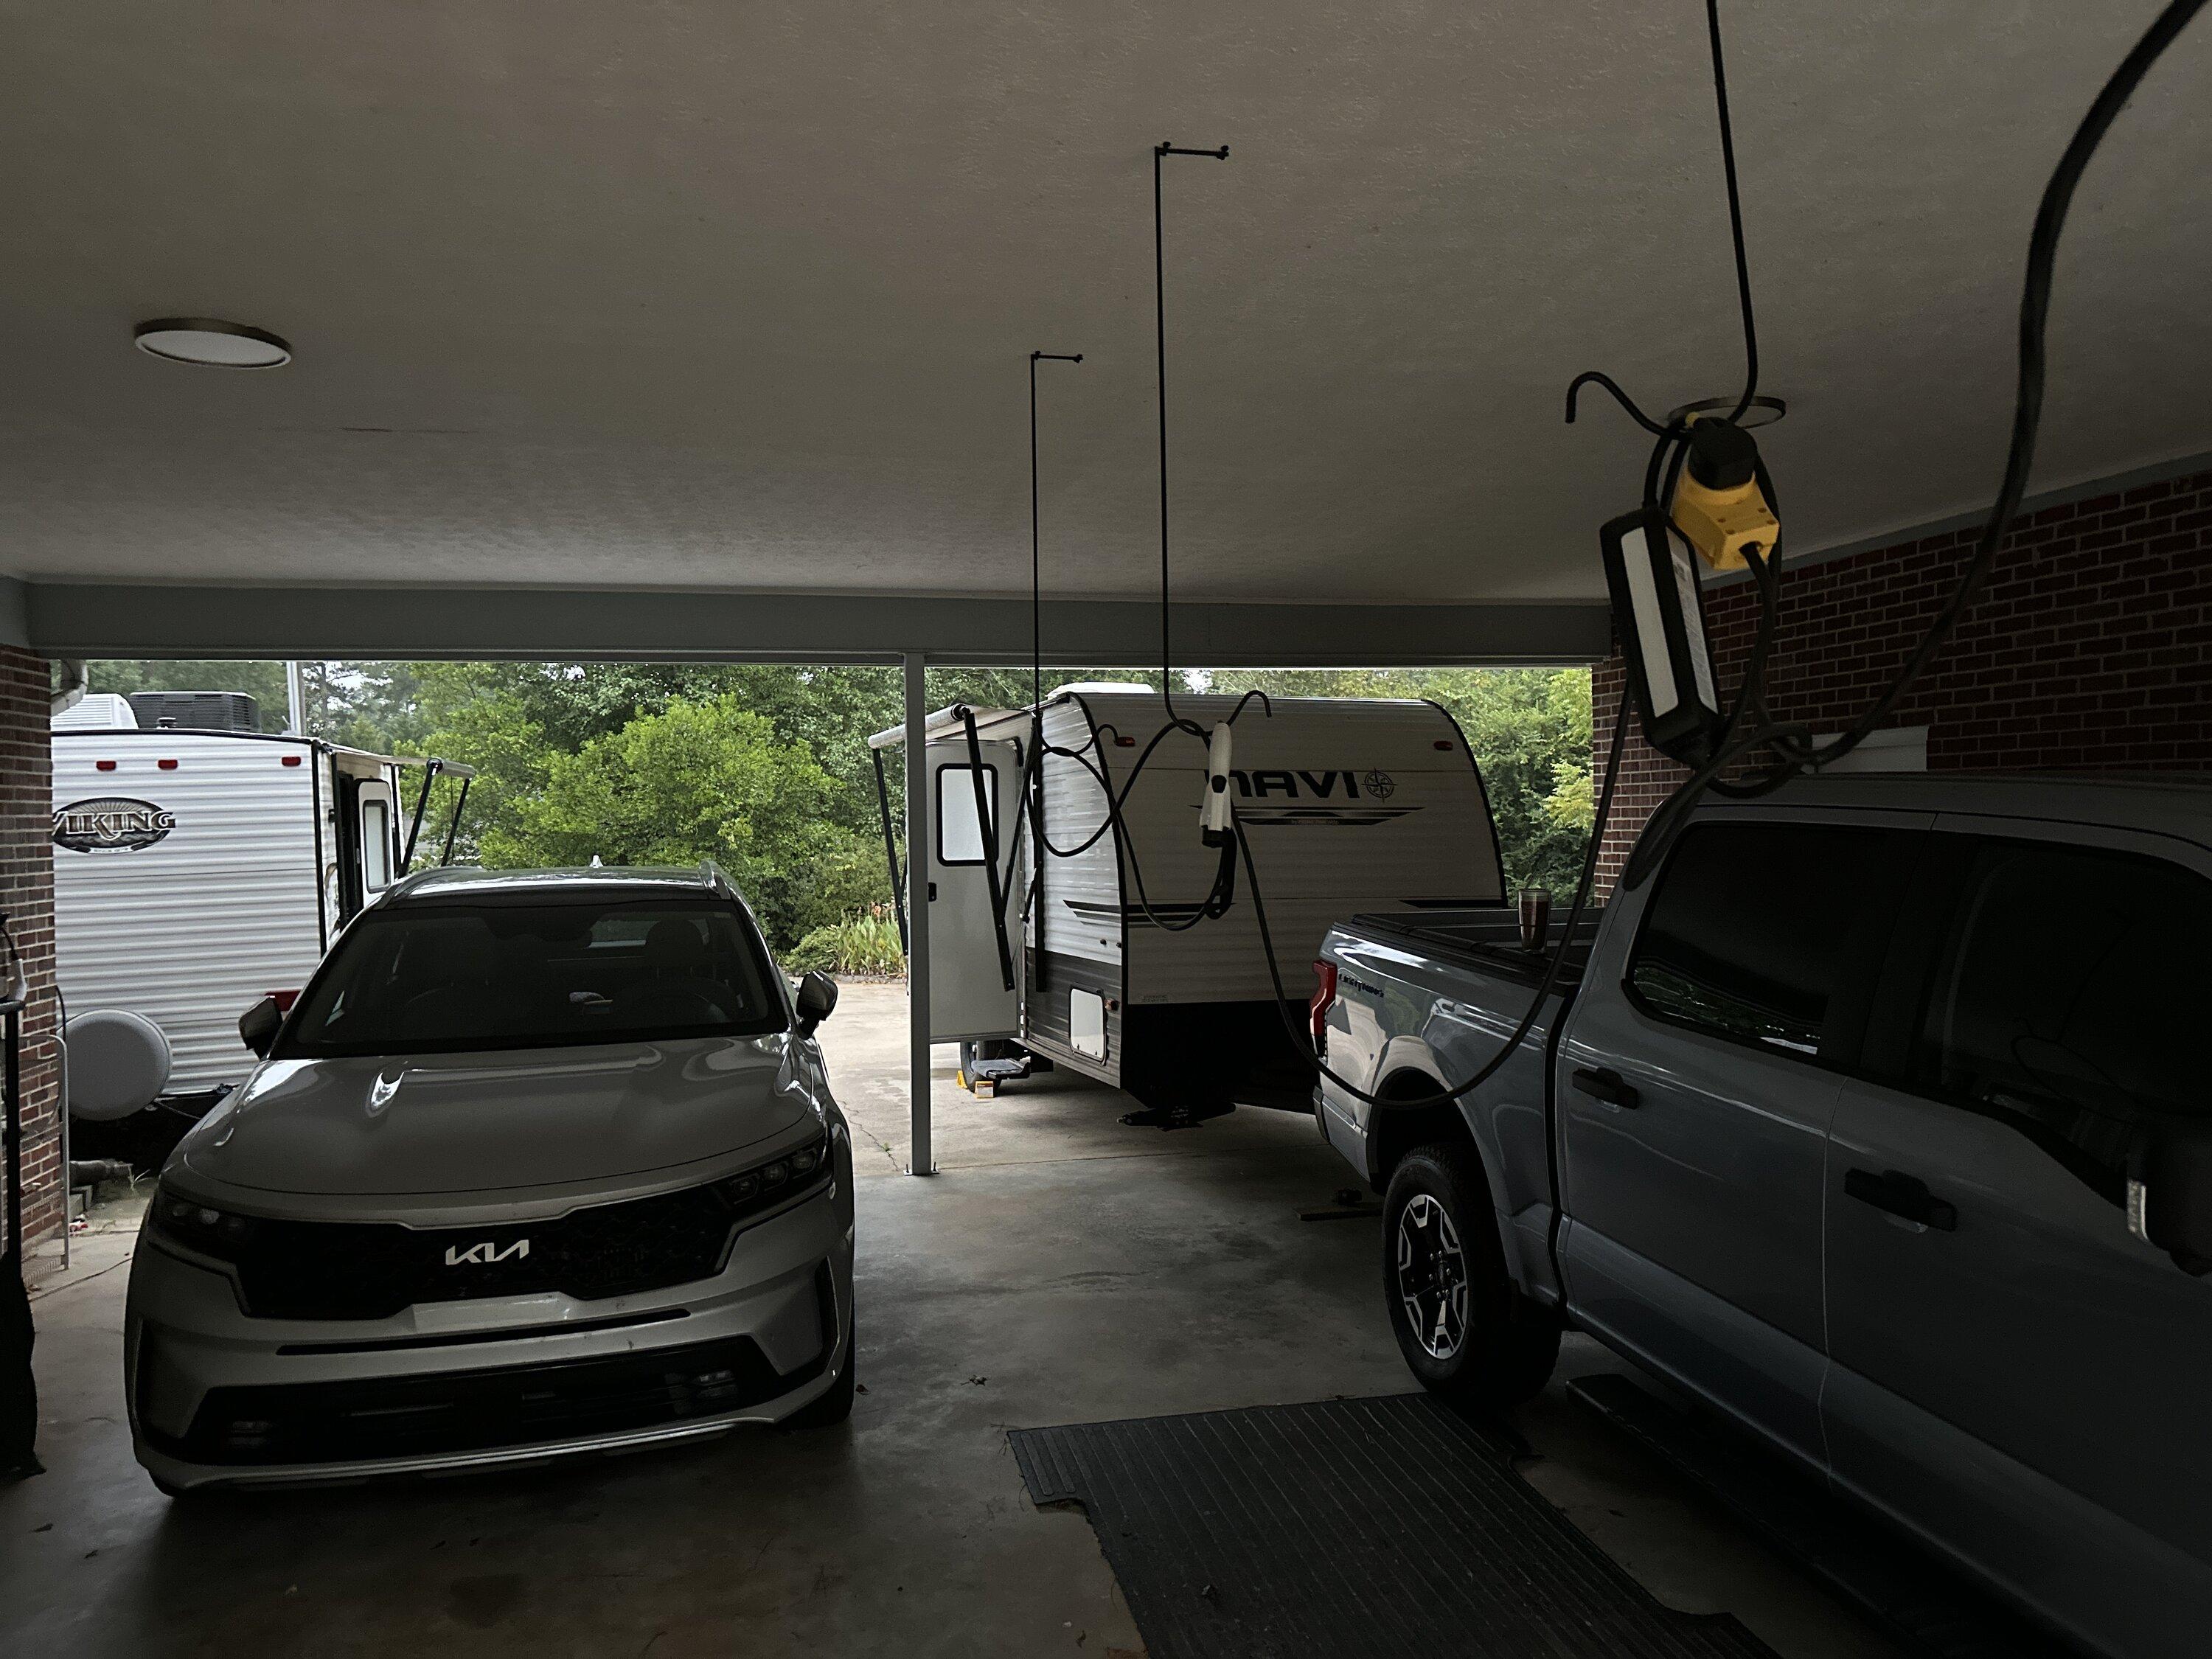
point(195, 873)
point(1117, 944)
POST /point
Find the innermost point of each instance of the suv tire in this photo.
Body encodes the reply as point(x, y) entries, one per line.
point(1466, 1332)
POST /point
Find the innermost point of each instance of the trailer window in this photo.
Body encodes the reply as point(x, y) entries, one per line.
point(456, 977)
point(375, 845)
point(959, 832)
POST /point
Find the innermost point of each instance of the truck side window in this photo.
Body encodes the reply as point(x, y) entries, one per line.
point(2066, 999)
point(1747, 933)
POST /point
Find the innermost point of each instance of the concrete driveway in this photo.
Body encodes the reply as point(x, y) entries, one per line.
point(1060, 1268)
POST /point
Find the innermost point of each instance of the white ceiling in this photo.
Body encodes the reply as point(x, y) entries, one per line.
point(740, 294)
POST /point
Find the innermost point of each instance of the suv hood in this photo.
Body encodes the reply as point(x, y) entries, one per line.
point(456, 1124)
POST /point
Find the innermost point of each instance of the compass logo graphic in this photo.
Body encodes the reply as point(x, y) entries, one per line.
point(1379, 785)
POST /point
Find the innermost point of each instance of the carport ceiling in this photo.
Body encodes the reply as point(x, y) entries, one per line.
point(739, 295)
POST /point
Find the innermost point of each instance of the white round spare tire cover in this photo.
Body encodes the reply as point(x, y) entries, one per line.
point(118, 1062)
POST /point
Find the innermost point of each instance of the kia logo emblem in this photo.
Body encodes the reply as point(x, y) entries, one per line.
point(486, 1253)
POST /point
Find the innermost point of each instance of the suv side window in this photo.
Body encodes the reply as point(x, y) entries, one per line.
point(1751, 932)
point(2068, 999)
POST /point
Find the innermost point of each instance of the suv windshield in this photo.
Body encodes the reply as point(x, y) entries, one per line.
point(537, 973)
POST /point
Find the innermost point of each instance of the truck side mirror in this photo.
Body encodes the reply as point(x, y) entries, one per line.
point(817, 999)
point(2170, 1192)
point(258, 1025)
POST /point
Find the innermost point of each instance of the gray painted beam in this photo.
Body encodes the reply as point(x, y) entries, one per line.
point(100, 620)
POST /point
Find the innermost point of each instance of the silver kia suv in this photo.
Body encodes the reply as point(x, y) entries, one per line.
point(538, 1162)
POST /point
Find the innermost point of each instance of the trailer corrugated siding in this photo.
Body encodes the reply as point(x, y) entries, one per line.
point(191, 931)
point(1350, 806)
point(1075, 940)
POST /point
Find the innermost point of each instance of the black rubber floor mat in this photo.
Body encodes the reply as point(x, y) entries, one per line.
point(1915, 1603)
point(1388, 1527)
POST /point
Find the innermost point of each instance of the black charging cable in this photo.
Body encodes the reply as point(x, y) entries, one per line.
point(1790, 745)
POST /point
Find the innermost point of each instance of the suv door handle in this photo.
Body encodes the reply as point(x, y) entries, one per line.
point(1603, 1083)
point(1901, 1194)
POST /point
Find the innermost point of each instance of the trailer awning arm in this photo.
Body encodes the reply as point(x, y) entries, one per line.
point(431, 768)
point(453, 827)
point(987, 823)
point(890, 845)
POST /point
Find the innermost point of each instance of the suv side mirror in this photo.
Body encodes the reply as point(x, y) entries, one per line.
point(2170, 1192)
point(817, 999)
point(258, 1025)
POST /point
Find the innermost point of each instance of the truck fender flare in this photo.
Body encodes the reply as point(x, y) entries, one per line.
point(1408, 1064)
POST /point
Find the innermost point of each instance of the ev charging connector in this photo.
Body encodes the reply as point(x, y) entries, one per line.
point(1217, 814)
point(1660, 614)
point(1718, 504)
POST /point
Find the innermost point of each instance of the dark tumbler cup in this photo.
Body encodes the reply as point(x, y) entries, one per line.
point(1535, 917)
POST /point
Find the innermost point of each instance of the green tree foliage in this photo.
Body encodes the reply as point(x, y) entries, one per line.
point(865, 942)
point(507, 719)
point(694, 781)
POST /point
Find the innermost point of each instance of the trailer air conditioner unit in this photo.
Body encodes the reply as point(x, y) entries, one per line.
point(197, 711)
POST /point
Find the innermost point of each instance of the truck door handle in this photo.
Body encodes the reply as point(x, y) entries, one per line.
point(1603, 1083)
point(1901, 1194)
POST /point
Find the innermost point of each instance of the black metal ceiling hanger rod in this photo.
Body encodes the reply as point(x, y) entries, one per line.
point(1735, 216)
point(1160, 333)
point(1036, 576)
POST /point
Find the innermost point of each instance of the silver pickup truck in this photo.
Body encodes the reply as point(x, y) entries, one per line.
point(1876, 1120)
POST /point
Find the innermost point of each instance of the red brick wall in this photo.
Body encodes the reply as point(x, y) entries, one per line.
point(2090, 648)
point(26, 894)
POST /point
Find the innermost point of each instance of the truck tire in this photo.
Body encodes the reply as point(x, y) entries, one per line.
point(1466, 1332)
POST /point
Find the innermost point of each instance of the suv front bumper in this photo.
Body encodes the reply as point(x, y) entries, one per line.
point(219, 1398)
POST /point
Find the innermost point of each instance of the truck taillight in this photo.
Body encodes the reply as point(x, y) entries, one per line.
point(1324, 999)
point(284, 999)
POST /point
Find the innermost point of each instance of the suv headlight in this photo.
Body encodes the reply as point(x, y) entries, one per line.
point(777, 1179)
point(199, 1227)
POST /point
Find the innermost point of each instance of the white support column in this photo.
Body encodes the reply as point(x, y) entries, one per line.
point(920, 1161)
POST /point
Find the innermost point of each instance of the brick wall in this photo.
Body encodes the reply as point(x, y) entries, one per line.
point(26, 894)
point(2089, 649)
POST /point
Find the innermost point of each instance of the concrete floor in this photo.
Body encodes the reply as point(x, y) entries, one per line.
point(1059, 1268)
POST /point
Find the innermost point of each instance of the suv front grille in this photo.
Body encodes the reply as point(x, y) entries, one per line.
point(373, 1270)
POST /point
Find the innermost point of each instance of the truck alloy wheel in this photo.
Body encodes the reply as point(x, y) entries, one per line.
point(1431, 1280)
point(1464, 1327)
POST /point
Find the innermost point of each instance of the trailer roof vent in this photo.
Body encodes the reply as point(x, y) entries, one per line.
point(197, 711)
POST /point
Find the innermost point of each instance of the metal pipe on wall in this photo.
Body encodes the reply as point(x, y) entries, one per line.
point(920, 1160)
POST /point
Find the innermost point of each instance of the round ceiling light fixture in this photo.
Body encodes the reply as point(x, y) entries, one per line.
point(208, 343)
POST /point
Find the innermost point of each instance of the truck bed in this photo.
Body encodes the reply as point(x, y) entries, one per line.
point(1487, 939)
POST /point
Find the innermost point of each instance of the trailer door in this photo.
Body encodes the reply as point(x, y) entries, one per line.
point(365, 815)
point(973, 939)
point(378, 806)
